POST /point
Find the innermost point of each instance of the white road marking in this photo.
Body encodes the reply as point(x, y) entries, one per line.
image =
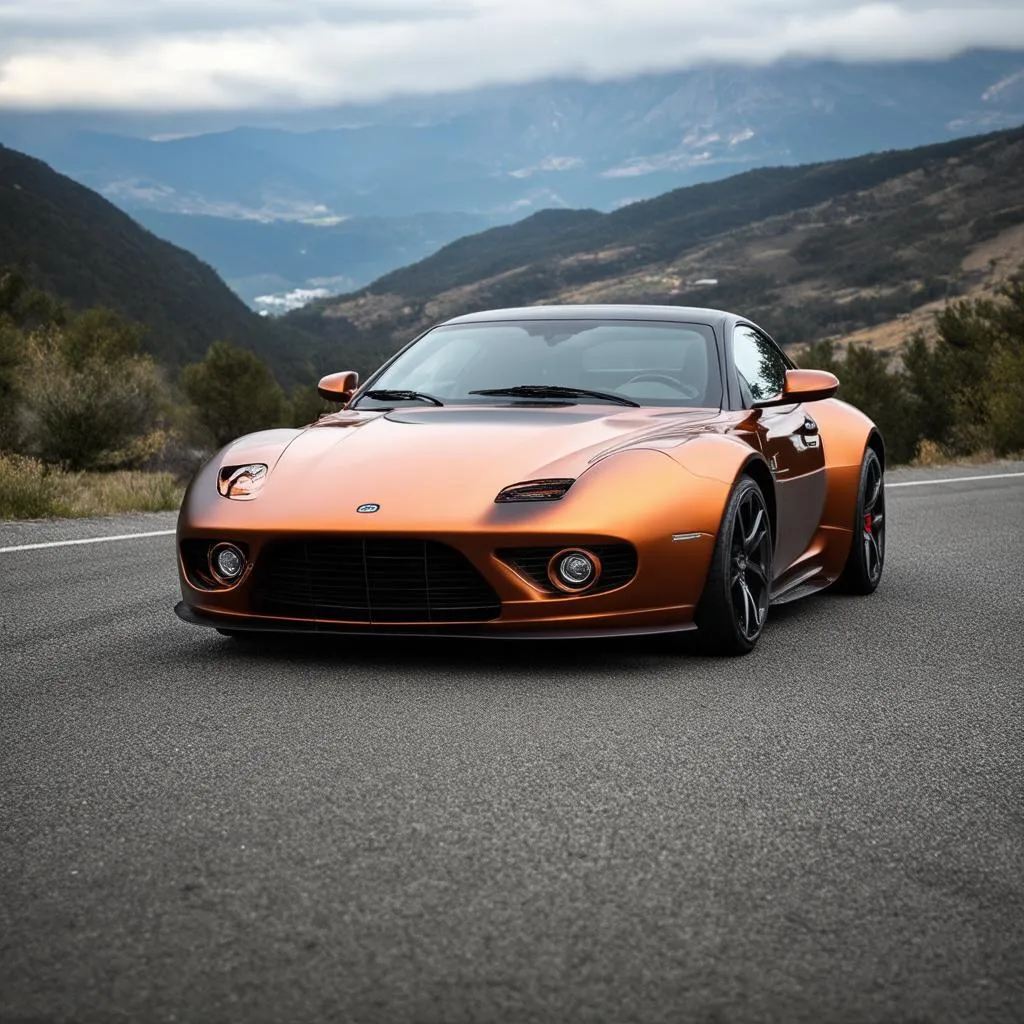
point(87, 540)
point(952, 480)
point(170, 533)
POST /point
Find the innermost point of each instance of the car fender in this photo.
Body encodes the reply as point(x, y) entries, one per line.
point(715, 462)
point(845, 434)
point(264, 446)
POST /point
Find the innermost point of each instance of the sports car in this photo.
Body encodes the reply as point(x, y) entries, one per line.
point(561, 471)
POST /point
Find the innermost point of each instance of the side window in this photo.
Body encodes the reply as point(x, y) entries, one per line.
point(760, 366)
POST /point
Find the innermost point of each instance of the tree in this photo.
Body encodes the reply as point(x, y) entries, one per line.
point(12, 355)
point(234, 393)
point(24, 305)
point(100, 334)
point(307, 405)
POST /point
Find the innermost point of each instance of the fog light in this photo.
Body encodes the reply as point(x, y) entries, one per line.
point(227, 562)
point(574, 569)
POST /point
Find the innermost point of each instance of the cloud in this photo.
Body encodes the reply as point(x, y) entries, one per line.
point(230, 54)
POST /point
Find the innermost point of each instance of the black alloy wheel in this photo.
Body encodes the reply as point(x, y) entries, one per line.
point(751, 564)
point(734, 605)
point(864, 565)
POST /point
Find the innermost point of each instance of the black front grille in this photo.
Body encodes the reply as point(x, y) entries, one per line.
point(372, 580)
point(618, 565)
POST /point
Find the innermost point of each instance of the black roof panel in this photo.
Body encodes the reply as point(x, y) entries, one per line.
point(679, 314)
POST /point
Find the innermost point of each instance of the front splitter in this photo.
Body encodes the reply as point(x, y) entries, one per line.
point(235, 624)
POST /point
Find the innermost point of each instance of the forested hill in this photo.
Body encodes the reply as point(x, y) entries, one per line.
point(813, 251)
point(74, 244)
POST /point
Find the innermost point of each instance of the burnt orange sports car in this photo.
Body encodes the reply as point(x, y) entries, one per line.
point(559, 471)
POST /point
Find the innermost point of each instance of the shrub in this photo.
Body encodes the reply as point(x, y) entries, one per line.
point(87, 412)
point(961, 396)
point(307, 405)
point(29, 489)
point(26, 491)
point(11, 358)
point(234, 393)
point(1004, 402)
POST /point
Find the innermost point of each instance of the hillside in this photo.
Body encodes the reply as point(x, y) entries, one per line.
point(332, 198)
point(80, 247)
point(261, 257)
point(813, 251)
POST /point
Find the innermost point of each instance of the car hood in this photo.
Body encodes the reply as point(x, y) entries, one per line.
point(436, 463)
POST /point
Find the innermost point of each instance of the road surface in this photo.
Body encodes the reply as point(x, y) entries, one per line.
point(832, 829)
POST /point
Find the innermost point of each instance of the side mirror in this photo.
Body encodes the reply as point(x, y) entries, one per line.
point(338, 387)
point(804, 386)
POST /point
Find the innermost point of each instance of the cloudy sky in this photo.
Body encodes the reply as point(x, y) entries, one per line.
point(227, 54)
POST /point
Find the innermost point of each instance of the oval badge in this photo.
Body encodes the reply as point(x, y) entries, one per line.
point(371, 507)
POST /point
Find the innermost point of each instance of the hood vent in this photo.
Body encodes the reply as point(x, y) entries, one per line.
point(535, 490)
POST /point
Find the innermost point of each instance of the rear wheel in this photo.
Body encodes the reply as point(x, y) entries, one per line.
point(864, 564)
point(734, 605)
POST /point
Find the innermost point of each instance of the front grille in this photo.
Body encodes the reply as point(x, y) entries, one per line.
point(618, 565)
point(372, 580)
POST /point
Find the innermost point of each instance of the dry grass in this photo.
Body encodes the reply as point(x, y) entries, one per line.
point(930, 454)
point(31, 490)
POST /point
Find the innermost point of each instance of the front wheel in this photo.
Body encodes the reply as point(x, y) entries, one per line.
point(734, 605)
point(863, 570)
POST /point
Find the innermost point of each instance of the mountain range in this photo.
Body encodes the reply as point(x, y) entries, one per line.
point(79, 247)
point(814, 251)
point(330, 199)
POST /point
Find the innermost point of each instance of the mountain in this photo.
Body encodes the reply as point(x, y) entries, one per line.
point(513, 150)
point(497, 154)
point(81, 248)
point(265, 260)
point(811, 251)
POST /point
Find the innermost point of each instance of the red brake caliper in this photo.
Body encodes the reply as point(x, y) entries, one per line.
point(869, 522)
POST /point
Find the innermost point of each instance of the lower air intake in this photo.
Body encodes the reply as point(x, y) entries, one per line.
point(372, 580)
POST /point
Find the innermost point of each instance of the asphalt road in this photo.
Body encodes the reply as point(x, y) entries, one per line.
point(829, 830)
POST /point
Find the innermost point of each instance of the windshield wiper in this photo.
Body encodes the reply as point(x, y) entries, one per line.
point(398, 395)
point(555, 391)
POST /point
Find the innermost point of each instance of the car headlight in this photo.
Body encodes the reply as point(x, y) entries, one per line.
point(242, 482)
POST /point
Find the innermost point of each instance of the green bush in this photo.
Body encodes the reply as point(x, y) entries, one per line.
point(1004, 405)
point(90, 408)
point(234, 393)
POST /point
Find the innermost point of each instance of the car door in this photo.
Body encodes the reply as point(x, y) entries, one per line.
point(789, 439)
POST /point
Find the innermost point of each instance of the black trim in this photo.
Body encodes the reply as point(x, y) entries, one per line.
point(371, 579)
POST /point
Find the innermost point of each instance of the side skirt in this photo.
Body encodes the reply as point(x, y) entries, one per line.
point(803, 584)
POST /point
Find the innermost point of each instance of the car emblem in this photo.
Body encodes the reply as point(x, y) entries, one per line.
point(371, 507)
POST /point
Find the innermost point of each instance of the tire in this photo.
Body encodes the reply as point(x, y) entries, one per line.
point(866, 560)
point(733, 608)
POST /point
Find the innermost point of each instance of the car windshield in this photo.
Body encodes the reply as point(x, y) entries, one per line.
point(632, 362)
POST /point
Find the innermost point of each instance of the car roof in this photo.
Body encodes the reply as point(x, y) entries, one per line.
point(678, 314)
